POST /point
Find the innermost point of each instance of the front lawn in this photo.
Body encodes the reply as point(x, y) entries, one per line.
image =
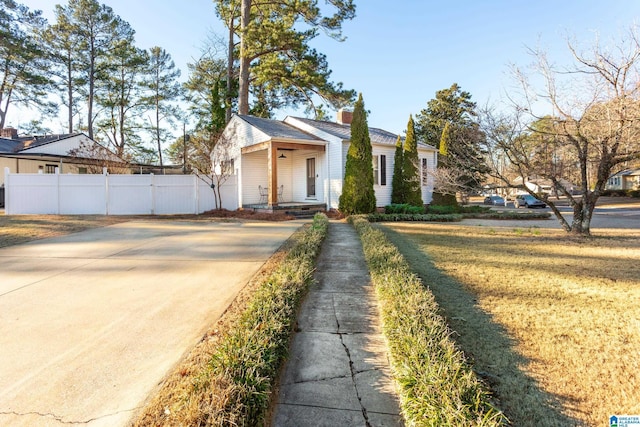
point(551, 323)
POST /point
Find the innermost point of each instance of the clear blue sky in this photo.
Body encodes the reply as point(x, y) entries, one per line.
point(399, 53)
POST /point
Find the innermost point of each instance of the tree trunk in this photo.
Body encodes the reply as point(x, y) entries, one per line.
point(243, 96)
point(70, 91)
point(158, 132)
point(229, 96)
point(91, 89)
point(582, 214)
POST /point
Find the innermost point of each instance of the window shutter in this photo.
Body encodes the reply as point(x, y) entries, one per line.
point(383, 170)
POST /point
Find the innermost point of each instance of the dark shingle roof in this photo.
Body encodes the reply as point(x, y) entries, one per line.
point(278, 129)
point(378, 136)
point(9, 145)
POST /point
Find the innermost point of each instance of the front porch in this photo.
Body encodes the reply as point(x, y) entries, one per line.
point(283, 176)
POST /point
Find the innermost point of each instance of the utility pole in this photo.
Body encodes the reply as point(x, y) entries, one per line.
point(184, 148)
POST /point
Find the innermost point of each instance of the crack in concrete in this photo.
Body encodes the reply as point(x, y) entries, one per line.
point(338, 377)
point(351, 367)
point(60, 419)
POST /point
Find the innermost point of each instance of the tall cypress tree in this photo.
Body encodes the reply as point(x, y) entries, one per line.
point(410, 167)
point(397, 185)
point(357, 193)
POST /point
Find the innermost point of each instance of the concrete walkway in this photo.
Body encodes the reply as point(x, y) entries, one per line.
point(91, 322)
point(338, 370)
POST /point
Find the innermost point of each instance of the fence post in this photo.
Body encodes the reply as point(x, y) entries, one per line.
point(153, 194)
point(57, 190)
point(106, 190)
point(196, 194)
point(7, 184)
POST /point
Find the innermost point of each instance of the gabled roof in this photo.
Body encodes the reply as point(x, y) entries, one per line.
point(278, 129)
point(15, 145)
point(343, 131)
point(627, 172)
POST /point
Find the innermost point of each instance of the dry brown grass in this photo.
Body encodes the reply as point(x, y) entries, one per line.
point(551, 323)
point(16, 229)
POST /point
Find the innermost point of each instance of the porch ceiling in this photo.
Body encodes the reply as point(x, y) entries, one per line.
point(274, 144)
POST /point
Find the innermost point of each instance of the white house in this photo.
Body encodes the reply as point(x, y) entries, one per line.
point(628, 179)
point(300, 161)
point(70, 153)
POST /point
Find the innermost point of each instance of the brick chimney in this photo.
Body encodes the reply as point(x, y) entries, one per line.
point(9, 133)
point(345, 116)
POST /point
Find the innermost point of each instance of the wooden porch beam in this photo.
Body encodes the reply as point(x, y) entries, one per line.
point(272, 175)
point(258, 147)
point(298, 146)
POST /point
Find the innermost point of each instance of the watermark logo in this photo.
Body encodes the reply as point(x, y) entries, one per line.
point(624, 421)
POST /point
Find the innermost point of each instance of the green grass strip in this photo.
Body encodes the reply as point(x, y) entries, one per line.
point(249, 358)
point(437, 387)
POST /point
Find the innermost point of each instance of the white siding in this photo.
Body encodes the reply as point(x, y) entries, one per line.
point(383, 192)
point(243, 133)
point(60, 148)
point(285, 175)
point(254, 174)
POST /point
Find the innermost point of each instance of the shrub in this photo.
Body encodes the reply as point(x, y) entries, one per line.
point(403, 208)
point(444, 199)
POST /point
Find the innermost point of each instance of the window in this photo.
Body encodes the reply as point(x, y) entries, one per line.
point(380, 170)
point(50, 168)
point(376, 170)
point(424, 172)
point(82, 170)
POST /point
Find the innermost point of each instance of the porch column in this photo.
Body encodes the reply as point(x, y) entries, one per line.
point(272, 174)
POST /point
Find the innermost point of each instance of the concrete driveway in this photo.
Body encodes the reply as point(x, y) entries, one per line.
point(91, 322)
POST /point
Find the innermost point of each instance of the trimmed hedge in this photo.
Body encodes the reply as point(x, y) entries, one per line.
point(436, 385)
point(245, 365)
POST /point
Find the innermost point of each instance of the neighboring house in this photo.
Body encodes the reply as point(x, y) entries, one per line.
point(540, 185)
point(72, 153)
point(302, 161)
point(628, 179)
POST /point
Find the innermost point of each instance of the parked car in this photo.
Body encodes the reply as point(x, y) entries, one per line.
point(494, 200)
point(528, 201)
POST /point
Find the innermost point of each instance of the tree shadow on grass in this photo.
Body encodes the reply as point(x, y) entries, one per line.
point(487, 346)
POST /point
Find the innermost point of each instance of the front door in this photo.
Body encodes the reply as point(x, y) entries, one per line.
point(311, 177)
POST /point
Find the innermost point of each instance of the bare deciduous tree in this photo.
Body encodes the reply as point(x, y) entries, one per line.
point(589, 128)
point(96, 157)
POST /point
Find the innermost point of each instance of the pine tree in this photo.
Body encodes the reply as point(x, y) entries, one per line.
point(164, 91)
point(410, 167)
point(24, 65)
point(397, 185)
point(358, 196)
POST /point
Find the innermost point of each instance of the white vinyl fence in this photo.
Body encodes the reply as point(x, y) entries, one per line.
point(105, 194)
